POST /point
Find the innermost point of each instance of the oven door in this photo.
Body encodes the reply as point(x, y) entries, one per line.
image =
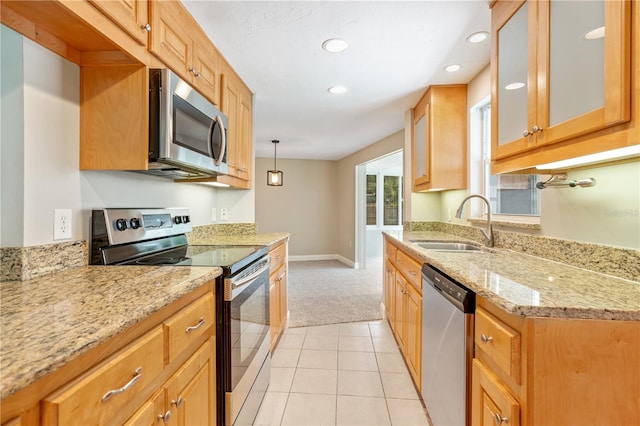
point(246, 345)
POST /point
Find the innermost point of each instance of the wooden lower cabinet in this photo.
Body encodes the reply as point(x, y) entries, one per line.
point(403, 305)
point(152, 412)
point(389, 286)
point(413, 333)
point(492, 402)
point(554, 371)
point(101, 395)
point(188, 398)
point(278, 304)
point(142, 382)
point(191, 391)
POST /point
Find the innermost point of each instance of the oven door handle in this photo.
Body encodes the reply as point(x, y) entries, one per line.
point(233, 287)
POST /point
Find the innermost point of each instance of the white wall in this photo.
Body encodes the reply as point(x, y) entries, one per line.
point(47, 129)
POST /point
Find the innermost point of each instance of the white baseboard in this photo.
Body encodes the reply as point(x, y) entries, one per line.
point(337, 257)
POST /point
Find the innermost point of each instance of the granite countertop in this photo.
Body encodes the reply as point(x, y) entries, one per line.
point(530, 286)
point(266, 239)
point(50, 320)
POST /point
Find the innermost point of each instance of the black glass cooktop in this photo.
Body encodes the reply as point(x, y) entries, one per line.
point(230, 258)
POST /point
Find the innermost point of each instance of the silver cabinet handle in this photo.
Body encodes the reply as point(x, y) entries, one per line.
point(195, 327)
point(486, 339)
point(165, 417)
point(500, 420)
point(413, 273)
point(137, 374)
point(194, 71)
point(534, 130)
point(177, 403)
point(146, 27)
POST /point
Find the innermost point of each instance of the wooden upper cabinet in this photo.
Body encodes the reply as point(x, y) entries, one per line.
point(440, 139)
point(237, 105)
point(556, 76)
point(178, 41)
point(131, 15)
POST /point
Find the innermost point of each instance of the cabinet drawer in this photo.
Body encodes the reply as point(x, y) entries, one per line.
point(278, 256)
point(500, 342)
point(189, 324)
point(390, 251)
point(411, 269)
point(107, 391)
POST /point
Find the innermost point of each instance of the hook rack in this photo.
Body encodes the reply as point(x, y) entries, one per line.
point(560, 181)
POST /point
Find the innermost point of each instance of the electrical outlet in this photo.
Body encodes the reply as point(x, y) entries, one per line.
point(62, 224)
point(213, 215)
point(223, 215)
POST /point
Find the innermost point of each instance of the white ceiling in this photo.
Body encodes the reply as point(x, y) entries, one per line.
point(397, 49)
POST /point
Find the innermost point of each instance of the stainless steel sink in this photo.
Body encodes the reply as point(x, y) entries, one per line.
point(446, 246)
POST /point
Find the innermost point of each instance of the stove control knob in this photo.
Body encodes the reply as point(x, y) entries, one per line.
point(186, 219)
point(134, 223)
point(177, 220)
point(121, 224)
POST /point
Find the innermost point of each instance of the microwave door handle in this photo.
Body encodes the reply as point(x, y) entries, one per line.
point(223, 140)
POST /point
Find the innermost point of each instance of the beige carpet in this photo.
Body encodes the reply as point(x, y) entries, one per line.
point(329, 292)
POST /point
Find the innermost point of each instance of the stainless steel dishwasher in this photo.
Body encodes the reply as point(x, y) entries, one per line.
point(447, 347)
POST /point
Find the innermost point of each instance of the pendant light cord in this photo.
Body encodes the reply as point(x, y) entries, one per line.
point(275, 153)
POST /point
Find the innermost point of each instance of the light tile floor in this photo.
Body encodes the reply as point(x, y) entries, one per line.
point(340, 374)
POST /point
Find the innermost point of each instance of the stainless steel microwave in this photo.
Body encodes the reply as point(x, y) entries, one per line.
point(187, 133)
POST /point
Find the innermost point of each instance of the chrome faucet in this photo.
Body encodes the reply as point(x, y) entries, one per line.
point(488, 234)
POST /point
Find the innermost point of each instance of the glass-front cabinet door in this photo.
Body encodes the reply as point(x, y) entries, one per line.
point(560, 69)
point(514, 77)
point(421, 157)
point(584, 67)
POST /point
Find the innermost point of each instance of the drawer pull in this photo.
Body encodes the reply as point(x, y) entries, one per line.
point(137, 374)
point(177, 403)
point(146, 27)
point(195, 327)
point(499, 420)
point(165, 417)
point(413, 273)
point(486, 339)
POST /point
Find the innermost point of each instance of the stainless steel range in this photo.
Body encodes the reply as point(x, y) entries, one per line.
point(158, 237)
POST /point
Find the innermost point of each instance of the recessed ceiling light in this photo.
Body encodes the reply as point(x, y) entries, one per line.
point(478, 37)
point(452, 68)
point(595, 34)
point(336, 90)
point(335, 45)
point(514, 86)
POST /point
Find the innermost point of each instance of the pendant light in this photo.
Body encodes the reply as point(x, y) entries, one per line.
point(274, 177)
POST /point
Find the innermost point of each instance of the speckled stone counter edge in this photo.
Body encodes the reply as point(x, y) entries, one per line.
point(24, 263)
point(210, 232)
point(616, 261)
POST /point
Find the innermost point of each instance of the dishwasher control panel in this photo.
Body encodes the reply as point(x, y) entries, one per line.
point(457, 293)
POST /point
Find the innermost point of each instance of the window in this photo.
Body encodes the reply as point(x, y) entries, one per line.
point(391, 195)
point(372, 192)
point(388, 204)
point(514, 194)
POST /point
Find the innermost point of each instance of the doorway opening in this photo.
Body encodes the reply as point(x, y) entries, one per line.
point(379, 205)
